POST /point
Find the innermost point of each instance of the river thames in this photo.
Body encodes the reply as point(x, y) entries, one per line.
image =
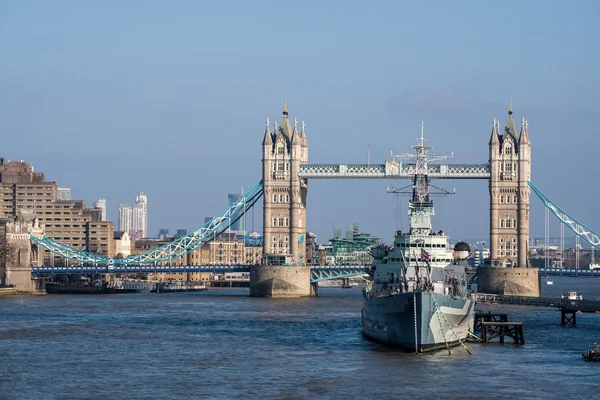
point(221, 344)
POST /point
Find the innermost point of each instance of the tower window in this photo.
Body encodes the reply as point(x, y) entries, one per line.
point(274, 198)
point(515, 199)
point(280, 198)
point(501, 223)
point(280, 149)
point(501, 199)
point(287, 198)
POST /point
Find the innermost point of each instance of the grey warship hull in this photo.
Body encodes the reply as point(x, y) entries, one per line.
point(394, 320)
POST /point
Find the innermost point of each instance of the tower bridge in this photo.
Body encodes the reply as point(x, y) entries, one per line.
point(286, 172)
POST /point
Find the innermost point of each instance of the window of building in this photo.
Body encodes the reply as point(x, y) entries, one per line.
point(280, 149)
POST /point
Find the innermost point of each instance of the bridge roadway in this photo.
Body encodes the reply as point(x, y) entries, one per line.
point(563, 304)
point(318, 273)
point(569, 272)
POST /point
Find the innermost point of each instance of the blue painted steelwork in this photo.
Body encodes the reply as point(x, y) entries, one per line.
point(175, 249)
point(137, 269)
point(319, 274)
point(580, 229)
point(568, 272)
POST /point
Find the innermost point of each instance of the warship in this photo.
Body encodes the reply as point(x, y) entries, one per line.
point(416, 296)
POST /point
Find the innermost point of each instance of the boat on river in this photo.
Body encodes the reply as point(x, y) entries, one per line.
point(174, 287)
point(592, 353)
point(416, 297)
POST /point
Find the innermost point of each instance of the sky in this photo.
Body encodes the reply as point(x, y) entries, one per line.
point(170, 98)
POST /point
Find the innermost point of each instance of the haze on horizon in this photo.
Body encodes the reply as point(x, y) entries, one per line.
point(170, 98)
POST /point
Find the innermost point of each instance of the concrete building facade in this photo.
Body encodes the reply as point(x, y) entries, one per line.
point(67, 221)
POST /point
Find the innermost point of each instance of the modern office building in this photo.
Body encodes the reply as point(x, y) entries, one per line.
point(140, 215)
point(101, 204)
point(239, 224)
point(125, 218)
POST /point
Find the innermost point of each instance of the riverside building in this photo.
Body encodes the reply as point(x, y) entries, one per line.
point(67, 221)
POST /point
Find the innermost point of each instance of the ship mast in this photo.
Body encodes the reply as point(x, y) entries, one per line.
point(420, 206)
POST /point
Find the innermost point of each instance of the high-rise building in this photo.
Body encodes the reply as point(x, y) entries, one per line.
point(163, 233)
point(181, 232)
point(63, 193)
point(233, 198)
point(101, 204)
point(140, 215)
point(125, 217)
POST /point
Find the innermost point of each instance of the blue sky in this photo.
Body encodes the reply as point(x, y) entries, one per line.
point(170, 98)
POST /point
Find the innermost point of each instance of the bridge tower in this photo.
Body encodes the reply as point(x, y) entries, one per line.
point(21, 254)
point(284, 202)
point(510, 170)
point(283, 272)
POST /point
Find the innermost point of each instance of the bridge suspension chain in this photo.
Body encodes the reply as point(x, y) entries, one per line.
point(577, 227)
point(175, 249)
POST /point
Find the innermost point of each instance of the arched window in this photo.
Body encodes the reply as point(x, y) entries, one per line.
point(280, 198)
point(275, 221)
point(280, 221)
point(501, 199)
point(280, 149)
point(501, 223)
point(287, 198)
point(515, 199)
point(274, 198)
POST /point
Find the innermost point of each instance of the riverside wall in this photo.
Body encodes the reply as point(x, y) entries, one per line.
point(509, 281)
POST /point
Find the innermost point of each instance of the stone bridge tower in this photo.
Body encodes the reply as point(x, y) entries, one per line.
point(283, 272)
point(21, 254)
point(284, 201)
point(510, 170)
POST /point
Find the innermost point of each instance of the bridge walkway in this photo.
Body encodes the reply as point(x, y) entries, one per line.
point(592, 306)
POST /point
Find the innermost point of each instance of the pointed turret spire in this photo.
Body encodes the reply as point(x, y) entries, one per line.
point(524, 136)
point(295, 131)
point(494, 139)
point(268, 138)
point(510, 123)
point(303, 135)
point(285, 127)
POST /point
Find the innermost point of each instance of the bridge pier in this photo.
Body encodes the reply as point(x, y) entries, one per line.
point(508, 281)
point(565, 319)
point(281, 281)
